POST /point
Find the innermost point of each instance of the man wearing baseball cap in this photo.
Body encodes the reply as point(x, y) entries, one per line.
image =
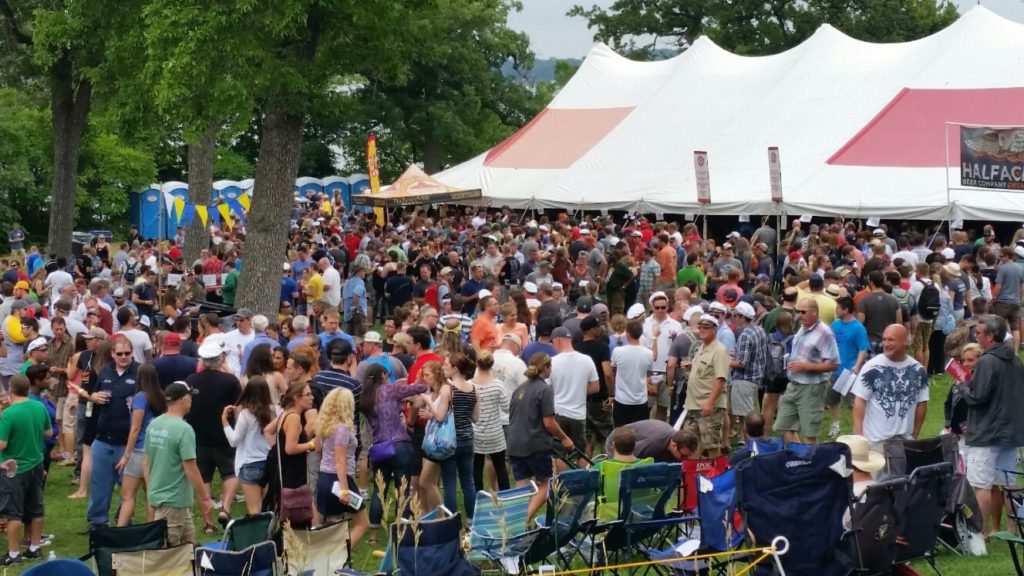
point(573, 377)
point(172, 365)
point(747, 365)
point(174, 478)
point(659, 331)
point(705, 393)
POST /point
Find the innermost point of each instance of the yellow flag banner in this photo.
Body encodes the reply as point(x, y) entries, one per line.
point(373, 168)
point(202, 211)
point(245, 200)
point(179, 206)
point(225, 214)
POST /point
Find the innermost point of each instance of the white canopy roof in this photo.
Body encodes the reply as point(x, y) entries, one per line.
point(861, 128)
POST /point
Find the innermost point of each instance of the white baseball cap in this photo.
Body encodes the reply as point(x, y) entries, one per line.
point(635, 311)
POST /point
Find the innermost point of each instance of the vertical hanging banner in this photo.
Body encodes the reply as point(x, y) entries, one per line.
point(703, 177)
point(992, 157)
point(373, 168)
point(775, 173)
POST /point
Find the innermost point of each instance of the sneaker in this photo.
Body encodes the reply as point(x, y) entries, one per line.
point(833, 430)
point(44, 540)
point(30, 555)
point(7, 560)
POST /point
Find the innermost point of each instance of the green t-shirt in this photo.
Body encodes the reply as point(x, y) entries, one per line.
point(690, 274)
point(170, 441)
point(227, 291)
point(23, 425)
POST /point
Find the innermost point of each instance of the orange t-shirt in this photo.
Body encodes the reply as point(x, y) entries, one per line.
point(483, 334)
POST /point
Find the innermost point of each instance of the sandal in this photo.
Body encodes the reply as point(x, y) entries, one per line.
point(209, 529)
point(223, 518)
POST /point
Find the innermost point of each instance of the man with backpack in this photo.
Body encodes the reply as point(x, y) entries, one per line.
point(926, 294)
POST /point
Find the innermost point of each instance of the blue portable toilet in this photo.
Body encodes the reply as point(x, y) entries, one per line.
point(360, 184)
point(338, 184)
point(226, 190)
point(170, 223)
point(307, 186)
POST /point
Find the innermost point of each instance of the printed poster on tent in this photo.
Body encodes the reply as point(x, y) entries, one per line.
point(703, 176)
point(992, 157)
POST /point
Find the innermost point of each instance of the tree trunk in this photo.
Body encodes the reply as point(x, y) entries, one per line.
point(266, 243)
point(200, 182)
point(69, 105)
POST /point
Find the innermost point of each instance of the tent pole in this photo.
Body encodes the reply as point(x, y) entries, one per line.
point(161, 206)
point(704, 217)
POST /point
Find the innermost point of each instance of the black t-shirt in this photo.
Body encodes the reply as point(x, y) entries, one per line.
point(173, 367)
point(598, 351)
point(399, 290)
point(213, 390)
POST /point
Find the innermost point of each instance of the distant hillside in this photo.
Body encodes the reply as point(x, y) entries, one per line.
point(543, 69)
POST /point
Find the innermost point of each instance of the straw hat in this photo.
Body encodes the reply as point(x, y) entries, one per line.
point(862, 456)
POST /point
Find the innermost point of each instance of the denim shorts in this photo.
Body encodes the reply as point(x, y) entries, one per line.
point(252, 473)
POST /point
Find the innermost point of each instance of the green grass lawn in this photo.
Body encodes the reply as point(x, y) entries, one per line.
point(66, 518)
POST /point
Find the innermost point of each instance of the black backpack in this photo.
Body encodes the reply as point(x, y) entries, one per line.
point(928, 304)
point(775, 369)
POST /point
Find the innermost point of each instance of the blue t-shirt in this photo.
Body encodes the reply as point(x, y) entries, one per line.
point(288, 288)
point(469, 288)
point(139, 402)
point(851, 338)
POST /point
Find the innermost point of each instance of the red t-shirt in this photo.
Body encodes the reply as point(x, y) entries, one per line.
point(414, 370)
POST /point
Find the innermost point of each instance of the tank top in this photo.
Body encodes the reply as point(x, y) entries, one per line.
point(463, 404)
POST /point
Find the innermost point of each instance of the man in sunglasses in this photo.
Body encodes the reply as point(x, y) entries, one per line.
point(815, 354)
point(659, 332)
point(115, 386)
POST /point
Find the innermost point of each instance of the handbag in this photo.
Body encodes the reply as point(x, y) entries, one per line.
point(439, 441)
point(296, 504)
point(381, 452)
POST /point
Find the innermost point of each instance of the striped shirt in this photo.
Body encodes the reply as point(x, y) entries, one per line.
point(815, 345)
point(488, 436)
point(463, 404)
point(465, 319)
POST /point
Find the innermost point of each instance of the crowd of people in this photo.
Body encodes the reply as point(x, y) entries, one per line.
point(519, 346)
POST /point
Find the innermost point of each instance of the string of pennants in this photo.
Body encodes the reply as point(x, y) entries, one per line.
point(216, 213)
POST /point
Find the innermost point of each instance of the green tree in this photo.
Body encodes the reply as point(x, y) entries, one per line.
point(455, 101)
point(24, 163)
point(639, 27)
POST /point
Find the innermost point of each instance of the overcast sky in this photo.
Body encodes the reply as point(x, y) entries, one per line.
point(553, 34)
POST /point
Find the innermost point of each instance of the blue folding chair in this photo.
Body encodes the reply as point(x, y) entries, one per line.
point(257, 560)
point(802, 497)
point(647, 520)
point(60, 567)
point(764, 446)
point(428, 545)
point(496, 516)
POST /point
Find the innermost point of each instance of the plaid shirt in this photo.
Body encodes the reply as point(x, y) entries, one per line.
point(752, 351)
point(649, 272)
point(815, 345)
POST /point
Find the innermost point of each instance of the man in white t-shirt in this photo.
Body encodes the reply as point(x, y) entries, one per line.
point(142, 346)
point(509, 368)
point(891, 392)
point(56, 281)
point(573, 376)
point(631, 363)
point(659, 332)
point(236, 340)
point(332, 283)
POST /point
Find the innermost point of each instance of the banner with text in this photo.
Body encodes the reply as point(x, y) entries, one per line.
point(992, 157)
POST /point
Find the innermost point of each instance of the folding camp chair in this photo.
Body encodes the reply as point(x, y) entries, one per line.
point(176, 561)
point(319, 551)
point(608, 497)
point(105, 541)
point(759, 446)
point(387, 563)
point(802, 497)
point(961, 527)
point(688, 487)
point(644, 522)
point(927, 495)
point(496, 515)
point(1013, 492)
point(569, 494)
point(60, 567)
point(241, 533)
point(426, 547)
point(875, 524)
point(257, 560)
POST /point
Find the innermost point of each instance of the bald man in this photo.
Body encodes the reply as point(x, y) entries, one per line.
point(891, 392)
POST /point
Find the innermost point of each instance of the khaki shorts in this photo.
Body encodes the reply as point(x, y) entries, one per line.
point(707, 428)
point(1008, 310)
point(741, 397)
point(922, 333)
point(69, 414)
point(180, 528)
point(801, 409)
point(663, 398)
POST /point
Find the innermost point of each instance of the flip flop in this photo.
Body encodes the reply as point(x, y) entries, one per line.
point(223, 518)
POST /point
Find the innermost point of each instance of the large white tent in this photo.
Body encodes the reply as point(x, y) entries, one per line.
point(861, 128)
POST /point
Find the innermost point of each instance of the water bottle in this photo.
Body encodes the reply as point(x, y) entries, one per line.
point(52, 556)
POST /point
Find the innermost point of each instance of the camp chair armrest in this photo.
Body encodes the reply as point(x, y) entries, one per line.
point(660, 522)
point(1007, 537)
point(596, 526)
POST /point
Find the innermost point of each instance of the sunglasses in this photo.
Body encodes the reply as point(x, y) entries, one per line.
point(801, 312)
point(122, 354)
point(661, 307)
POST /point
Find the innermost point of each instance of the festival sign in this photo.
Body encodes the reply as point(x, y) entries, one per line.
point(992, 157)
point(775, 173)
point(703, 177)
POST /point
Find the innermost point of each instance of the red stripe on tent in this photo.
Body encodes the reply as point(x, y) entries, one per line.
point(909, 132)
point(555, 138)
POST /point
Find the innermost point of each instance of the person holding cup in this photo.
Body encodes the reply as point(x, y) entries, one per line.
point(23, 425)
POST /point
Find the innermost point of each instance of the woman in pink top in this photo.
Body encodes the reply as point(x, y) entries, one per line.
point(510, 323)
